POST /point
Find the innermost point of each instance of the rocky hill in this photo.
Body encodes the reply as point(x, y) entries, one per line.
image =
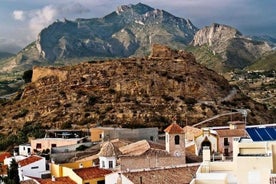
point(132, 92)
point(235, 50)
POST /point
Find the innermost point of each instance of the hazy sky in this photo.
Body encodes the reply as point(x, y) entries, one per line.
point(22, 20)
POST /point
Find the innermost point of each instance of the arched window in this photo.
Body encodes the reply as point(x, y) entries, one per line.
point(176, 139)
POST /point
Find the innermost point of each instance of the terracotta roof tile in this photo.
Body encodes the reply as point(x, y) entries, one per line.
point(231, 133)
point(139, 148)
point(29, 160)
point(174, 128)
point(109, 150)
point(59, 180)
point(4, 155)
point(91, 172)
point(183, 175)
point(191, 132)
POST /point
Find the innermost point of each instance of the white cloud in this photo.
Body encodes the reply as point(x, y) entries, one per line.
point(18, 15)
point(41, 18)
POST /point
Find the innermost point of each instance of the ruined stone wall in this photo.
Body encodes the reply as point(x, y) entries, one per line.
point(41, 72)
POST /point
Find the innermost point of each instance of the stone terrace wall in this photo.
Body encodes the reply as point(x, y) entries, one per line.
point(144, 162)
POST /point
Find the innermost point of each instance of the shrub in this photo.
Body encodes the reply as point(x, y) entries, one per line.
point(21, 114)
point(81, 148)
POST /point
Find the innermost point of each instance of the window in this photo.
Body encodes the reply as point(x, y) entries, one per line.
point(103, 164)
point(35, 167)
point(101, 182)
point(24, 148)
point(151, 138)
point(86, 183)
point(110, 164)
point(38, 145)
point(54, 145)
point(226, 143)
point(100, 136)
point(176, 140)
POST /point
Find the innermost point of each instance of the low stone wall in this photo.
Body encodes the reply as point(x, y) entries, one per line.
point(143, 162)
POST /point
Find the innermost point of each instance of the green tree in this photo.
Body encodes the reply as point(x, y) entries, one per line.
point(27, 76)
point(13, 177)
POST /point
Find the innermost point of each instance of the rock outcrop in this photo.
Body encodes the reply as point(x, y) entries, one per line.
point(236, 50)
point(131, 92)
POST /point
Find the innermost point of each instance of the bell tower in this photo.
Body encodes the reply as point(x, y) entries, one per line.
point(175, 140)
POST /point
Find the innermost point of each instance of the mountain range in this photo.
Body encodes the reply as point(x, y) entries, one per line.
point(130, 31)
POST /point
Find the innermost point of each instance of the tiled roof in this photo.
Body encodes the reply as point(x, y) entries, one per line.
point(28, 182)
point(181, 175)
point(231, 133)
point(29, 160)
point(139, 148)
point(4, 155)
point(174, 128)
point(91, 172)
point(191, 132)
point(3, 169)
point(109, 150)
point(59, 180)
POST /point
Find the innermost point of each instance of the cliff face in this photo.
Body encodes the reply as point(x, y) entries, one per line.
point(236, 50)
point(128, 92)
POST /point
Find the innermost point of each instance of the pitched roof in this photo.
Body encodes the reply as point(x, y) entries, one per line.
point(109, 150)
point(91, 172)
point(29, 160)
point(139, 148)
point(59, 180)
point(174, 128)
point(4, 155)
point(181, 175)
point(231, 133)
point(191, 132)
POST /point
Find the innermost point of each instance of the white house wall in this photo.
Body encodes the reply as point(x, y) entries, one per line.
point(114, 178)
point(34, 169)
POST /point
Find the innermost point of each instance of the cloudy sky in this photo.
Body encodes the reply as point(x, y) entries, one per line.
point(22, 20)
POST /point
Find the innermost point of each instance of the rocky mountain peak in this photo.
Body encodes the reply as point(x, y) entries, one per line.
point(215, 33)
point(236, 50)
point(139, 8)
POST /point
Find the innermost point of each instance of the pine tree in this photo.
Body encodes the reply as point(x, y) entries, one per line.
point(13, 177)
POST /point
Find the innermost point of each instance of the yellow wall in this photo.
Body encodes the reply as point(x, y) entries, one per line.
point(95, 134)
point(70, 173)
point(94, 181)
point(58, 169)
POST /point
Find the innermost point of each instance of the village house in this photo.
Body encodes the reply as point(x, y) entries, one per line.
point(33, 166)
point(57, 138)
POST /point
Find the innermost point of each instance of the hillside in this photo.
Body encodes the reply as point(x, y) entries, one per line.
point(5, 55)
point(132, 92)
point(266, 62)
point(234, 50)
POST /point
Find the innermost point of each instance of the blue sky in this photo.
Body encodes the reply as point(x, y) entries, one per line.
point(22, 20)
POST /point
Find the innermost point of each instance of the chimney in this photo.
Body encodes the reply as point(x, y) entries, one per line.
point(53, 178)
point(141, 180)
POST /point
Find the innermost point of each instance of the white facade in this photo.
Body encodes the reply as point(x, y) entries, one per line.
point(25, 149)
point(107, 162)
point(7, 161)
point(207, 138)
point(34, 169)
point(117, 178)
